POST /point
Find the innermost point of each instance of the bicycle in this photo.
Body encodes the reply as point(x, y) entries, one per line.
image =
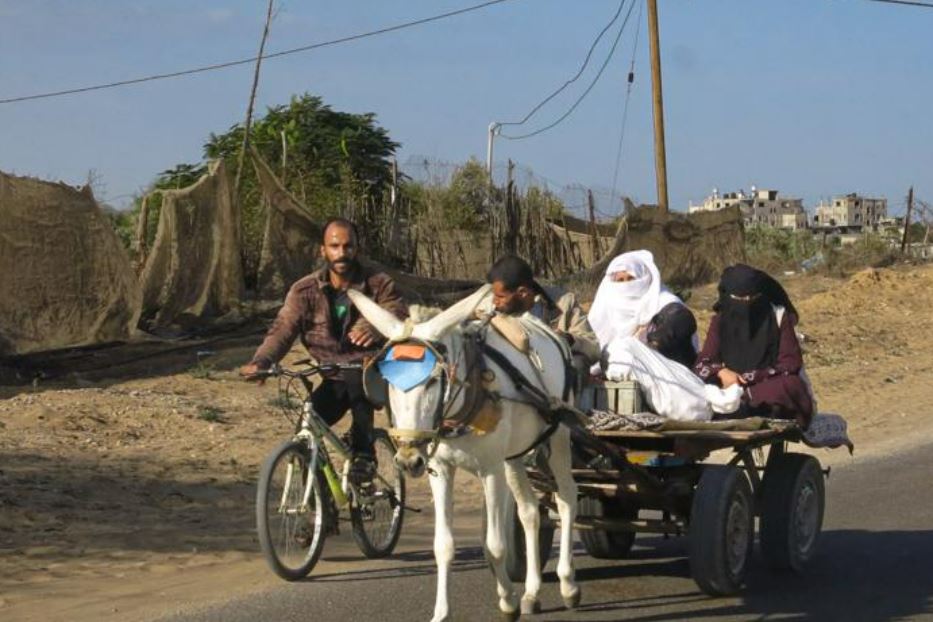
point(299, 496)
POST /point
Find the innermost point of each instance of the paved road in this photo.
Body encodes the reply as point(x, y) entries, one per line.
point(875, 563)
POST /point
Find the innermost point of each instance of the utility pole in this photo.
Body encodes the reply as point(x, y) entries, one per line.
point(910, 207)
point(660, 155)
point(493, 129)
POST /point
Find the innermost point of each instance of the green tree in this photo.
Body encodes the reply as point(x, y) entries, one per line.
point(465, 202)
point(544, 201)
point(334, 162)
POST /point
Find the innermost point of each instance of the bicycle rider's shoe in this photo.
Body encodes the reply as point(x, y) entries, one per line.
point(362, 469)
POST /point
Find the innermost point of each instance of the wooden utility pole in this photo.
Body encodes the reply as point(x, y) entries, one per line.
point(252, 101)
point(910, 207)
point(660, 155)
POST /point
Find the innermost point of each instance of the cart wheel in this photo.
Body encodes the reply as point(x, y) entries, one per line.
point(721, 530)
point(515, 562)
point(793, 498)
point(600, 543)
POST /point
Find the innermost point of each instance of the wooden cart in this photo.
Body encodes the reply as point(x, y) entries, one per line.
point(665, 482)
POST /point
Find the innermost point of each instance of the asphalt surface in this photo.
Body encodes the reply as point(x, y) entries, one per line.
point(875, 562)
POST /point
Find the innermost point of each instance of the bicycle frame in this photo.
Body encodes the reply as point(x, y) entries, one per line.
point(317, 434)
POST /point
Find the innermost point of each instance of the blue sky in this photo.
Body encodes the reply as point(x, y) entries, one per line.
point(813, 97)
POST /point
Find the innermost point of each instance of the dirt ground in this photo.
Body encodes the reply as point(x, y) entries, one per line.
point(118, 497)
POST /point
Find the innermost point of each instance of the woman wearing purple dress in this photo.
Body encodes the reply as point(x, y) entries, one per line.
point(751, 342)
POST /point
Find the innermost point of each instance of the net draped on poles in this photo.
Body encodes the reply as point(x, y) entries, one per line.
point(291, 240)
point(689, 249)
point(291, 249)
point(193, 272)
point(65, 278)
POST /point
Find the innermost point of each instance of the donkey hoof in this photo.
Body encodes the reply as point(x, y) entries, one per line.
point(573, 600)
point(509, 616)
point(530, 605)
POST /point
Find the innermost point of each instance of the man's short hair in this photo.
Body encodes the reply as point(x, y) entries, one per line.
point(342, 222)
point(512, 272)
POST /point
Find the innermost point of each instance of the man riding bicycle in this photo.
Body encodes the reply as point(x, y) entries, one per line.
point(318, 311)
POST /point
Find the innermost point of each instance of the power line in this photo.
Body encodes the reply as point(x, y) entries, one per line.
point(245, 61)
point(925, 5)
point(579, 73)
point(599, 74)
point(628, 94)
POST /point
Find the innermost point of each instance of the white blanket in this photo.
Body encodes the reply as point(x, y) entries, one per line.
point(671, 389)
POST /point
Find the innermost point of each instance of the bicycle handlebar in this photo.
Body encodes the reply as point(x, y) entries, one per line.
point(278, 370)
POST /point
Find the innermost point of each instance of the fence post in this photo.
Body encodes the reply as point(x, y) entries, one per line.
point(596, 248)
point(910, 207)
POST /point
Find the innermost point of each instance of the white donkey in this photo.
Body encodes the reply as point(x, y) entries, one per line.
point(418, 412)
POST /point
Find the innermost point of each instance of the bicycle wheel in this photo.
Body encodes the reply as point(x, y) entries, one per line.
point(291, 532)
point(378, 513)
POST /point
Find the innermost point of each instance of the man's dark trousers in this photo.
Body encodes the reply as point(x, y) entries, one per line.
point(335, 396)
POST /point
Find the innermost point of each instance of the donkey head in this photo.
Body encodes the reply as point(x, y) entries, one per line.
point(418, 364)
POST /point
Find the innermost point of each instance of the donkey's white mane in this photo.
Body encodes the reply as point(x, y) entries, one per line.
point(422, 313)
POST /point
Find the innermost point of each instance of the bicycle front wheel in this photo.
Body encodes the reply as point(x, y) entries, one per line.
point(379, 509)
point(291, 511)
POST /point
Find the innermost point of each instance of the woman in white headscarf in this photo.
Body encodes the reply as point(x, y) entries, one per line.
point(628, 298)
point(647, 334)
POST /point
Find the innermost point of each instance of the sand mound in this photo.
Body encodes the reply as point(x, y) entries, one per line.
point(875, 314)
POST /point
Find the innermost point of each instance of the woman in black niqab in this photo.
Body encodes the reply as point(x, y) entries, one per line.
point(749, 332)
point(751, 344)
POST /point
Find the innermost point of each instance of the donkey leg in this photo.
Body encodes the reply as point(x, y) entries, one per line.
point(496, 493)
point(442, 481)
point(566, 500)
point(528, 513)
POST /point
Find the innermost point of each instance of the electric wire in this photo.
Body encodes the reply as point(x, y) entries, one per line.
point(253, 59)
point(628, 94)
point(583, 95)
point(925, 5)
point(579, 73)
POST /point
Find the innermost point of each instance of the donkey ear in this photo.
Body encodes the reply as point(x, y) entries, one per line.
point(382, 320)
point(437, 325)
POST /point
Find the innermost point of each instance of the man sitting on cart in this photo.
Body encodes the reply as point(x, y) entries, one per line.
point(318, 311)
point(515, 291)
point(751, 344)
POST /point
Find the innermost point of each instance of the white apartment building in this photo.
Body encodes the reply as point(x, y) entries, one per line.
point(851, 212)
point(759, 208)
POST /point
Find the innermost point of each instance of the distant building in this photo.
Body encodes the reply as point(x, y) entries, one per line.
point(760, 208)
point(851, 212)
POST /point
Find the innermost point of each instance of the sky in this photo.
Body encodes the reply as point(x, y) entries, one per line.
point(811, 97)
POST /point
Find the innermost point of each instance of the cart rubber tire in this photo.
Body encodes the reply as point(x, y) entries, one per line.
point(600, 543)
point(793, 499)
point(721, 531)
point(515, 562)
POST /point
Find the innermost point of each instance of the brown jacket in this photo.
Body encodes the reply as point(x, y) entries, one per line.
point(306, 314)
